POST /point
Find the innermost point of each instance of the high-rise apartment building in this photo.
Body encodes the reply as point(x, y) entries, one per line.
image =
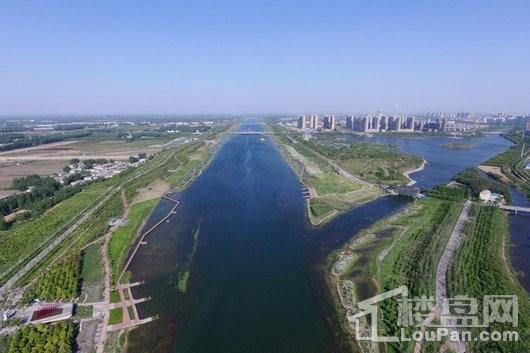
point(329, 122)
point(302, 122)
point(313, 122)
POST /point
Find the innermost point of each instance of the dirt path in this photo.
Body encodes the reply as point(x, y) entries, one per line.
point(100, 345)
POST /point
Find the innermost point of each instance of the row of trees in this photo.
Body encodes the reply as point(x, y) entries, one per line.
point(61, 282)
point(57, 338)
point(444, 192)
point(479, 269)
point(35, 140)
point(45, 193)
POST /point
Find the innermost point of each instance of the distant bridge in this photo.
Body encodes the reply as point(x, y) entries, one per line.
point(252, 133)
point(515, 208)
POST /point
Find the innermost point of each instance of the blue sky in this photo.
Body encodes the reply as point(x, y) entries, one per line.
point(112, 57)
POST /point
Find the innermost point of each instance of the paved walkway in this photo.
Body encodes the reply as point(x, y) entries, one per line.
point(441, 274)
point(100, 344)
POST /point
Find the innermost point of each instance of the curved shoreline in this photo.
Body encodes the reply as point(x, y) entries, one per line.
point(412, 171)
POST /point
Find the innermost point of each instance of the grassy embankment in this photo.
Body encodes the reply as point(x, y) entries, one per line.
point(480, 268)
point(512, 164)
point(124, 237)
point(402, 249)
point(331, 192)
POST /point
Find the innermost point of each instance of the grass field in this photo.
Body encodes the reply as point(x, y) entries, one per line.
point(116, 316)
point(124, 237)
point(114, 296)
point(92, 269)
point(333, 184)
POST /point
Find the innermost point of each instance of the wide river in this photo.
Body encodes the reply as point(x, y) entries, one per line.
point(253, 284)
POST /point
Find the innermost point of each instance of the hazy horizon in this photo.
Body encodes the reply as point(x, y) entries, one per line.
point(236, 57)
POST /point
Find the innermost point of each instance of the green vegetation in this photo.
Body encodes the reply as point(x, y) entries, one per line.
point(479, 268)
point(372, 162)
point(413, 260)
point(124, 236)
point(115, 296)
point(444, 192)
point(319, 208)
point(24, 240)
point(35, 140)
point(458, 146)
point(183, 273)
point(83, 312)
point(45, 193)
point(472, 178)
point(92, 269)
point(60, 282)
point(513, 164)
point(333, 184)
point(57, 338)
point(334, 193)
point(130, 310)
point(101, 200)
point(402, 249)
point(116, 316)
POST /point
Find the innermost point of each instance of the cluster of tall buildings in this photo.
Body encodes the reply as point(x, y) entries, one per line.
point(313, 122)
point(398, 123)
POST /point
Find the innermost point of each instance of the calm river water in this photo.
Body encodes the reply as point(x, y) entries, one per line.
point(252, 286)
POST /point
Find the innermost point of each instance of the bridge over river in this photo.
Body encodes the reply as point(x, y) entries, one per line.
point(515, 208)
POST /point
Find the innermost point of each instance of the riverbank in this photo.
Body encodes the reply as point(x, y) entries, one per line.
point(328, 200)
point(414, 170)
point(379, 258)
point(192, 160)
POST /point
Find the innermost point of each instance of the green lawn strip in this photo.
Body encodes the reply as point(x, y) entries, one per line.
point(115, 296)
point(116, 316)
point(83, 312)
point(131, 312)
point(124, 237)
point(183, 172)
point(92, 269)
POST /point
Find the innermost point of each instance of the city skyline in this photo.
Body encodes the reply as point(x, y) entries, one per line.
point(239, 57)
